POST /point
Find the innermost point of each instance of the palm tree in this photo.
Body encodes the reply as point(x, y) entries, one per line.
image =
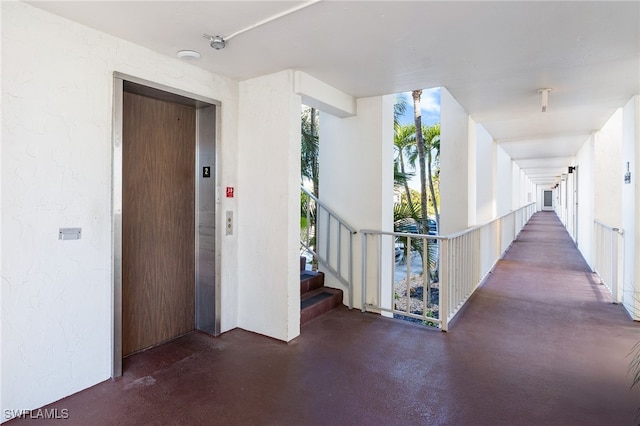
point(417, 115)
point(400, 106)
point(309, 147)
point(404, 143)
point(432, 145)
point(309, 169)
point(405, 217)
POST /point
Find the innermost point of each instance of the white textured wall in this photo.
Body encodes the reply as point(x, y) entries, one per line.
point(356, 175)
point(486, 172)
point(632, 131)
point(57, 80)
point(631, 206)
point(268, 224)
point(609, 174)
point(504, 179)
point(571, 203)
point(454, 165)
point(516, 185)
point(585, 192)
point(325, 98)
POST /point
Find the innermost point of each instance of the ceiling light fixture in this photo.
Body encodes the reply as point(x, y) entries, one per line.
point(219, 42)
point(189, 55)
point(545, 98)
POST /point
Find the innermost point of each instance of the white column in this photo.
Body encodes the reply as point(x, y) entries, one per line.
point(634, 130)
point(585, 197)
point(516, 175)
point(356, 176)
point(268, 216)
point(486, 173)
point(504, 179)
point(454, 166)
point(608, 181)
point(631, 205)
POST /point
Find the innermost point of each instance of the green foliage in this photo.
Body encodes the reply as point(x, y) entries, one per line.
point(634, 367)
point(429, 313)
point(407, 217)
point(407, 154)
point(400, 106)
point(415, 197)
point(309, 146)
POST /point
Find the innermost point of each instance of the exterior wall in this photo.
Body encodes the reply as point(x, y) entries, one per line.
point(570, 206)
point(540, 198)
point(585, 193)
point(632, 130)
point(504, 179)
point(562, 199)
point(318, 94)
point(486, 172)
point(609, 174)
point(57, 103)
point(268, 223)
point(454, 166)
point(356, 176)
point(631, 206)
point(516, 179)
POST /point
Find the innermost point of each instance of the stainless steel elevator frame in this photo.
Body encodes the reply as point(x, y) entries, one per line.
point(207, 238)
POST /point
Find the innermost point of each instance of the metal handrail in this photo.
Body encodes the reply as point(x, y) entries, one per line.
point(463, 263)
point(324, 206)
point(610, 228)
point(473, 228)
point(329, 259)
point(608, 241)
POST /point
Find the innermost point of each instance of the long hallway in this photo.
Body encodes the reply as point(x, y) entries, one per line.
point(540, 343)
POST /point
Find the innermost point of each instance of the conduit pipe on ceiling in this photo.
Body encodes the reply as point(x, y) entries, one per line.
point(219, 42)
point(272, 18)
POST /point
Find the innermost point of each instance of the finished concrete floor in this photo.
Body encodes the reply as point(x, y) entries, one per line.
point(540, 343)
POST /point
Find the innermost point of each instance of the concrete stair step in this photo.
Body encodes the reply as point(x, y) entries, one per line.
point(318, 302)
point(310, 280)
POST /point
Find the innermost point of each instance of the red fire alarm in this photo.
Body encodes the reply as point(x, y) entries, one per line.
point(229, 191)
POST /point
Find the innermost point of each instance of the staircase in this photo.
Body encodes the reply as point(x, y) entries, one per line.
point(315, 298)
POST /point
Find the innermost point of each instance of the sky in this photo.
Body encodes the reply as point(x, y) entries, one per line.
point(430, 103)
point(430, 106)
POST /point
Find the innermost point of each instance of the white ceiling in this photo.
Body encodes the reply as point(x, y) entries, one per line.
point(491, 56)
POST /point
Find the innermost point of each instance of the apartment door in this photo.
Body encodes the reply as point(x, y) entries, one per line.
point(547, 200)
point(158, 221)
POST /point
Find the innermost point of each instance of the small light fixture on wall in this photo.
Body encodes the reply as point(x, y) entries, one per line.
point(545, 98)
point(627, 175)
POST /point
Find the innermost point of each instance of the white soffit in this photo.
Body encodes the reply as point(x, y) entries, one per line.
point(491, 56)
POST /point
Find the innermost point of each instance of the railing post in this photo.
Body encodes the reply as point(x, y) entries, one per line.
point(339, 255)
point(350, 270)
point(309, 223)
point(444, 285)
point(408, 276)
point(327, 251)
point(614, 265)
point(322, 253)
point(364, 272)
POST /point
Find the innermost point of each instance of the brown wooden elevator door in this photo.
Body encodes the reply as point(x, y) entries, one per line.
point(158, 221)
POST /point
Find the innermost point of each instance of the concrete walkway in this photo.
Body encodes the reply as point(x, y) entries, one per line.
point(539, 344)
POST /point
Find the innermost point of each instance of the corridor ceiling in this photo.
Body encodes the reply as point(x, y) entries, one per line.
point(491, 56)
